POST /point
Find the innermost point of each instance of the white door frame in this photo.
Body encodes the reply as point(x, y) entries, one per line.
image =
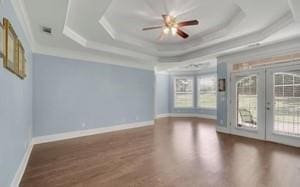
point(270, 135)
point(258, 133)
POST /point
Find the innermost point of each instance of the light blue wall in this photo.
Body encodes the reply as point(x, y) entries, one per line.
point(162, 94)
point(68, 93)
point(194, 110)
point(222, 96)
point(15, 108)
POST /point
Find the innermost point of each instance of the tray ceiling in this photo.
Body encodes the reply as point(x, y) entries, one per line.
point(115, 26)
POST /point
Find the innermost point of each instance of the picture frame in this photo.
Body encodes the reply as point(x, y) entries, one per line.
point(21, 61)
point(10, 59)
point(1, 40)
point(222, 85)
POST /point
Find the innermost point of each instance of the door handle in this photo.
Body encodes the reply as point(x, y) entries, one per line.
point(268, 108)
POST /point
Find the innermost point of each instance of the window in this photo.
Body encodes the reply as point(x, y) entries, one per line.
point(207, 91)
point(183, 96)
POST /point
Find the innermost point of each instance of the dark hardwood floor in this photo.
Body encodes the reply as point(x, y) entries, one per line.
point(175, 152)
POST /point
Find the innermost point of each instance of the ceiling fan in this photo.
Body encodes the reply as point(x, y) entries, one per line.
point(172, 26)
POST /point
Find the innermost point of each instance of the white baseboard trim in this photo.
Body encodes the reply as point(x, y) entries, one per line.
point(223, 130)
point(76, 134)
point(21, 169)
point(162, 116)
point(186, 115)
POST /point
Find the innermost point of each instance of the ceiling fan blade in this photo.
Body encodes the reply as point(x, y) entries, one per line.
point(182, 34)
point(151, 28)
point(188, 23)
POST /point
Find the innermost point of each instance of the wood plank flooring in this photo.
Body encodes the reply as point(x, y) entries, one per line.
point(175, 152)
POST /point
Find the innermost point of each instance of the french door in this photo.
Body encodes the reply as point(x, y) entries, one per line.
point(266, 104)
point(247, 99)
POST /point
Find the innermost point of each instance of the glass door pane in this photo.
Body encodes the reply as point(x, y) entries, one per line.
point(286, 95)
point(247, 102)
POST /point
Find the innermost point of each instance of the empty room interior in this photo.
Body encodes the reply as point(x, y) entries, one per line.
point(150, 93)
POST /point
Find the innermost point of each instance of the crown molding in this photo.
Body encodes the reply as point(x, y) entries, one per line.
point(23, 18)
point(167, 50)
point(295, 8)
point(125, 38)
point(205, 71)
point(67, 31)
point(161, 72)
point(242, 41)
point(84, 56)
point(70, 33)
point(75, 36)
point(106, 25)
point(274, 49)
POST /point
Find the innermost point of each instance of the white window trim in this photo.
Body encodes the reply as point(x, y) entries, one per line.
point(174, 91)
point(197, 103)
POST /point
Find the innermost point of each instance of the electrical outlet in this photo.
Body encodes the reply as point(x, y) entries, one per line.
point(221, 122)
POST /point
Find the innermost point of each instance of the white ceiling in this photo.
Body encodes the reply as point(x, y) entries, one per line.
point(113, 27)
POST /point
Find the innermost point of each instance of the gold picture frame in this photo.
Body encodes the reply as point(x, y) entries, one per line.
point(10, 59)
point(1, 40)
point(21, 61)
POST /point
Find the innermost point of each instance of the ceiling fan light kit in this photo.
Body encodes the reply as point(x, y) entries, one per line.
point(173, 27)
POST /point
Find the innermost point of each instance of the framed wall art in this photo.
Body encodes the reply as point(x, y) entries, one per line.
point(1, 40)
point(10, 60)
point(21, 61)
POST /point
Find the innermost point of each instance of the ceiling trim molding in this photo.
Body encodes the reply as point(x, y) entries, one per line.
point(168, 50)
point(67, 31)
point(295, 8)
point(105, 24)
point(170, 65)
point(125, 38)
point(161, 72)
point(70, 33)
point(242, 41)
point(275, 49)
point(83, 56)
point(23, 18)
point(73, 35)
point(204, 71)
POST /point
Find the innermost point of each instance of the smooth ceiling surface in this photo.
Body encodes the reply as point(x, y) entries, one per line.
point(115, 26)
